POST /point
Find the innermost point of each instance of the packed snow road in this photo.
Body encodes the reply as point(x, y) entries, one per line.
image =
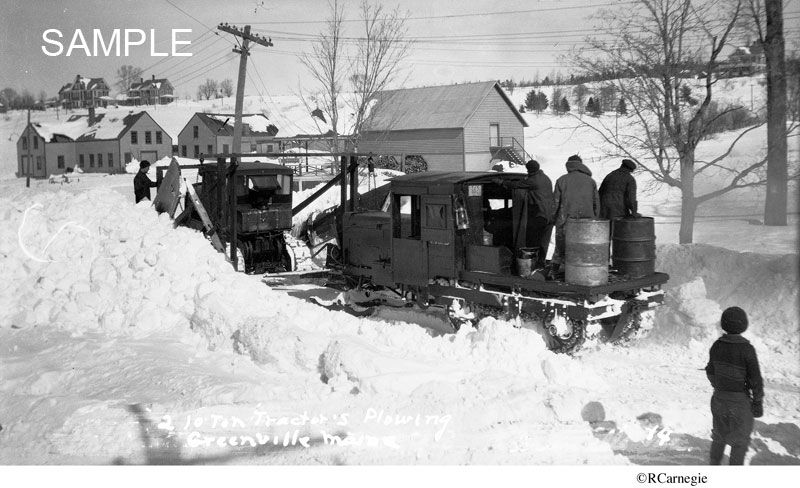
point(123, 340)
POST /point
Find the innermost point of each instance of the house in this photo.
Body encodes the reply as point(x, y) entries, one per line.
point(208, 133)
point(454, 127)
point(744, 61)
point(101, 143)
point(150, 92)
point(84, 93)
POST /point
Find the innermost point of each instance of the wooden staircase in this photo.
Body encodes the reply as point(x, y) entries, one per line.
point(508, 149)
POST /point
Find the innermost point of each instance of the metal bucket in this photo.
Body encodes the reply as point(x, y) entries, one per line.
point(526, 256)
point(634, 252)
point(586, 251)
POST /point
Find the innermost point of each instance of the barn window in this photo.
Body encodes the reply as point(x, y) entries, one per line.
point(110, 160)
point(134, 137)
point(148, 137)
point(61, 164)
point(158, 137)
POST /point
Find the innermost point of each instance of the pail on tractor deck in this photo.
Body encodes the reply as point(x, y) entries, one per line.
point(526, 256)
point(634, 252)
point(586, 251)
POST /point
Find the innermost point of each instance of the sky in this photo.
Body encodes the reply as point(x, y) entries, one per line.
point(455, 41)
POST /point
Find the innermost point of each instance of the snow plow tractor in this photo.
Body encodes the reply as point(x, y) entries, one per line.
point(246, 211)
point(433, 248)
point(439, 240)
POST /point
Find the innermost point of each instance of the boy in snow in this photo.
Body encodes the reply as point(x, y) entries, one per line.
point(738, 388)
point(141, 183)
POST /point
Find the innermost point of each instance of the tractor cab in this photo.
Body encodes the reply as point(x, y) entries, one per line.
point(438, 224)
point(263, 193)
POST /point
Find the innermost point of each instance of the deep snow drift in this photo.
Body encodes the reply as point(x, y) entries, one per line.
point(110, 319)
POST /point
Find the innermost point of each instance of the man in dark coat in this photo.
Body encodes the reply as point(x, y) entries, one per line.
point(532, 210)
point(141, 183)
point(738, 388)
point(618, 193)
point(575, 197)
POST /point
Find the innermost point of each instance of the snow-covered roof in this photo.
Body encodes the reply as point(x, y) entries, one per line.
point(432, 107)
point(77, 127)
point(222, 124)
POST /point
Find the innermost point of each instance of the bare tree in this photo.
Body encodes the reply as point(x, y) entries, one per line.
point(656, 46)
point(326, 65)
point(766, 21)
point(226, 87)
point(378, 55)
point(126, 76)
point(208, 89)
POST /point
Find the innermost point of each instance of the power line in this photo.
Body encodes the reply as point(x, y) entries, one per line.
point(451, 16)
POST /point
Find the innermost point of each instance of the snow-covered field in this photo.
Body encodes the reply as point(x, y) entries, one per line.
point(123, 340)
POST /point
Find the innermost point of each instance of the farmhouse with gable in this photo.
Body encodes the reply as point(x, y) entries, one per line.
point(101, 143)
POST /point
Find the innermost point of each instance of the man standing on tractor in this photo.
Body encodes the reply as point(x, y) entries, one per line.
point(141, 183)
point(738, 388)
point(618, 193)
point(575, 197)
point(532, 208)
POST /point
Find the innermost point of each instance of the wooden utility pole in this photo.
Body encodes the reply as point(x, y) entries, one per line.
point(247, 37)
point(243, 52)
point(28, 141)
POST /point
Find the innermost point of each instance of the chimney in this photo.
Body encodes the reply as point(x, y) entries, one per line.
point(141, 80)
point(154, 77)
point(91, 115)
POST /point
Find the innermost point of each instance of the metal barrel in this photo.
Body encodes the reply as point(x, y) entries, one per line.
point(586, 251)
point(634, 250)
point(525, 258)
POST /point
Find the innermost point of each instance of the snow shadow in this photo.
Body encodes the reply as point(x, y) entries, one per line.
point(164, 447)
point(771, 444)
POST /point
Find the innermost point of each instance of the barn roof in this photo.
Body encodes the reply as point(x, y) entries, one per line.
point(222, 124)
point(432, 107)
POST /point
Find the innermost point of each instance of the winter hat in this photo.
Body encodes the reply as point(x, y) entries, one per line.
point(532, 166)
point(574, 159)
point(734, 320)
point(629, 164)
point(144, 164)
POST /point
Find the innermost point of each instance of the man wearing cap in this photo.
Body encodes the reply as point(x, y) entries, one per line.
point(575, 197)
point(618, 193)
point(532, 210)
point(141, 183)
point(738, 388)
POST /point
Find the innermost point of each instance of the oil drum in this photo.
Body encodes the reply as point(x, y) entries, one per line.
point(634, 252)
point(586, 251)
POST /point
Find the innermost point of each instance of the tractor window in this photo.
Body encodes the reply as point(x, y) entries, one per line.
point(435, 216)
point(406, 216)
point(278, 184)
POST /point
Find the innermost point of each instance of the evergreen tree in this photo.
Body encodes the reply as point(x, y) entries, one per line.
point(622, 109)
point(541, 102)
point(530, 100)
point(590, 106)
point(564, 105)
